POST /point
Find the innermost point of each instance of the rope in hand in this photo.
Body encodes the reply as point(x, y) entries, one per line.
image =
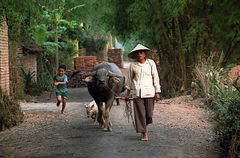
point(128, 109)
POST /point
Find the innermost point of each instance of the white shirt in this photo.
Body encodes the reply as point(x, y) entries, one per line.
point(143, 79)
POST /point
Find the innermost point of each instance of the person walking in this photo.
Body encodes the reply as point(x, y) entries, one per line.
point(60, 82)
point(144, 86)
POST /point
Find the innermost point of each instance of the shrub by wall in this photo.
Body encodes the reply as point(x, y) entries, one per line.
point(10, 112)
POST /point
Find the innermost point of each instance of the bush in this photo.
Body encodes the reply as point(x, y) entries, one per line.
point(212, 84)
point(28, 80)
point(10, 112)
point(33, 87)
point(207, 72)
point(226, 108)
point(227, 118)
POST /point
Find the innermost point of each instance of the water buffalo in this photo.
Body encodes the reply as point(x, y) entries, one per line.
point(104, 83)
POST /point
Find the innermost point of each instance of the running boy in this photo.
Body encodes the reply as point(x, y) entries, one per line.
point(60, 81)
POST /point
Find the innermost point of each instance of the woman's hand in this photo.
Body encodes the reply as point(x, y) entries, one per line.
point(55, 83)
point(157, 96)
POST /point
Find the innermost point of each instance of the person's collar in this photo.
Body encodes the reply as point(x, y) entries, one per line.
point(143, 62)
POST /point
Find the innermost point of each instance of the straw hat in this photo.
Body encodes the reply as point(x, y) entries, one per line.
point(139, 47)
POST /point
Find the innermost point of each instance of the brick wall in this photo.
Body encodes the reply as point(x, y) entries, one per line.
point(85, 63)
point(116, 56)
point(4, 58)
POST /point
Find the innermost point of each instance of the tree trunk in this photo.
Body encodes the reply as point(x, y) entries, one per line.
point(182, 59)
point(230, 49)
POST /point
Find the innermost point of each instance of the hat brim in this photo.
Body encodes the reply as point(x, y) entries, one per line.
point(133, 54)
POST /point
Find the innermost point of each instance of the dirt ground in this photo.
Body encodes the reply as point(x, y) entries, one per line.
point(181, 129)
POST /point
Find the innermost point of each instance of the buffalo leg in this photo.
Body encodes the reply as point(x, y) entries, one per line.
point(108, 124)
point(117, 100)
point(100, 118)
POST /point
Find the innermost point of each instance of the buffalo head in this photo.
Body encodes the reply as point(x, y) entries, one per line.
point(102, 76)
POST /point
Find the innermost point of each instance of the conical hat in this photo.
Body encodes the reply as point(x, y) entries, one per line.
point(139, 47)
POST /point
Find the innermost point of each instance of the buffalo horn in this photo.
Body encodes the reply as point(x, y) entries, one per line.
point(93, 73)
point(86, 74)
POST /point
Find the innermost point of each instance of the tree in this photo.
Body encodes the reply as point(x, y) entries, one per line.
point(181, 31)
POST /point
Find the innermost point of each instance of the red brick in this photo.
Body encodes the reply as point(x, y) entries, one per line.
point(84, 63)
point(116, 56)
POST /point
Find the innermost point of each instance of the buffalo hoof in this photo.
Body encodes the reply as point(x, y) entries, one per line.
point(110, 123)
point(101, 125)
point(107, 129)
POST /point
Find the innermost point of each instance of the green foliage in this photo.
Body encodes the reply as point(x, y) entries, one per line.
point(28, 80)
point(40, 34)
point(38, 87)
point(196, 27)
point(45, 73)
point(50, 47)
point(33, 87)
point(209, 76)
point(72, 30)
point(93, 44)
point(224, 100)
point(174, 8)
point(181, 31)
point(44, 82)
point(10, 112)
point(227, 118)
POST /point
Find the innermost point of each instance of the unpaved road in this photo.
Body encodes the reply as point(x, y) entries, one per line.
point(180, 130)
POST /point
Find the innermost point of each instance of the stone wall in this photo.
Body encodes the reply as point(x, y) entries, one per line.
point(4, 58)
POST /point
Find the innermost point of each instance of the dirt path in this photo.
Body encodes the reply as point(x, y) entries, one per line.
point(180, 130)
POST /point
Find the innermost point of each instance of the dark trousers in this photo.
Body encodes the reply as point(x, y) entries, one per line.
point(143, 112)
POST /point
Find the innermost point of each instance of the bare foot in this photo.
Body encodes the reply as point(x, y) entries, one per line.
point(144, 136)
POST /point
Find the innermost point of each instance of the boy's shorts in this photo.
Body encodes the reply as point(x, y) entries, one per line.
point(63, 94)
